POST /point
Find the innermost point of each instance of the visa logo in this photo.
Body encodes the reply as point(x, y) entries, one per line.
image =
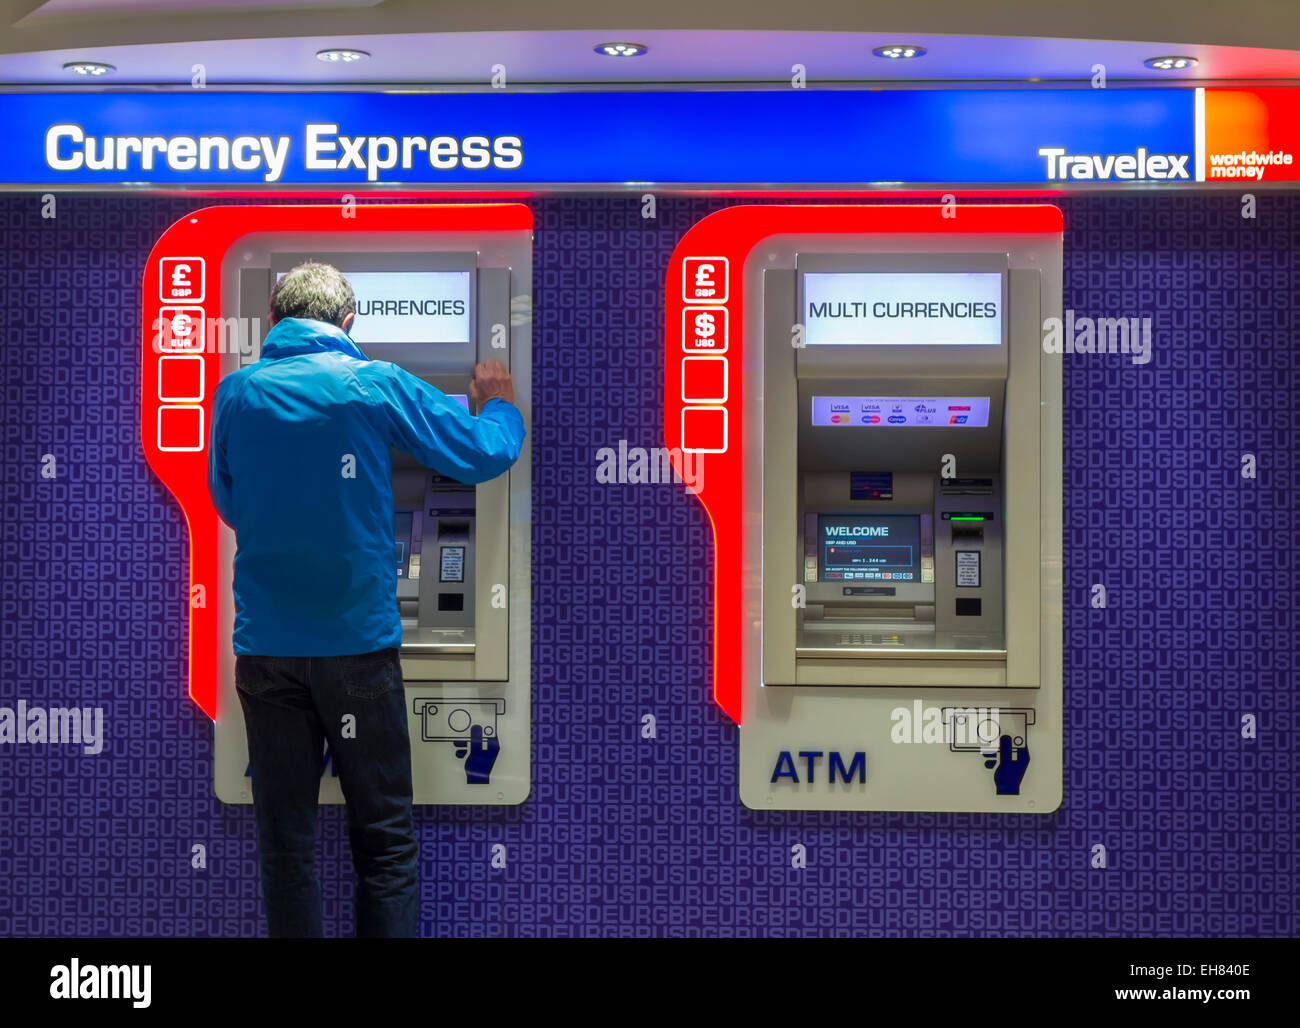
point(785, 767)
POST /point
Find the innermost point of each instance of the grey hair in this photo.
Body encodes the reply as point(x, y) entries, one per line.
point(313, 290)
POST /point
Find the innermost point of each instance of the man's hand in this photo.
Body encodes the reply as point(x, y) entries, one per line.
point(491, 381)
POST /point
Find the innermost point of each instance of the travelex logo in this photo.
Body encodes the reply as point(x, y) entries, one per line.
point(1062, 166)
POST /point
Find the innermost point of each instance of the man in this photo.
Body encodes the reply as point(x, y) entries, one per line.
point(300, 467)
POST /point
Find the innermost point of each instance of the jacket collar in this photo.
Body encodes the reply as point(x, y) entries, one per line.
point(290, 337)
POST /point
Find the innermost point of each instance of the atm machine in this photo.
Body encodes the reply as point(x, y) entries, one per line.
point(462, 552)
point(906, 459)
point(897, 509)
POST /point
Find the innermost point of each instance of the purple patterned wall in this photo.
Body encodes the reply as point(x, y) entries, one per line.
point(625, 836)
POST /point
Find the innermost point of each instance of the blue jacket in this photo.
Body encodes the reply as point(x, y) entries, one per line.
point(315, 574)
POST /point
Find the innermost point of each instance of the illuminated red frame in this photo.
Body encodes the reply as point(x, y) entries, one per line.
point(732, 234)
point(209, 233)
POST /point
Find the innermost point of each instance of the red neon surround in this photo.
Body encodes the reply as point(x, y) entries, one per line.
point(208, 234)
point(732, 234)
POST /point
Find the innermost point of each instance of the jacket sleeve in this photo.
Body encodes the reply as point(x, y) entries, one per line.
point(219, 480)
point(438, 432)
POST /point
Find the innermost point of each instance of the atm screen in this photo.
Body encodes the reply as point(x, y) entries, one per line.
point(874, 547)
point(411, 306)
point(949, 308)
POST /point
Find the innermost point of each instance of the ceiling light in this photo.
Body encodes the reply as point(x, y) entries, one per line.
point(899, 51)
point(1174, 63)
point(341, 56)
point(91, 69)
point(621, 49)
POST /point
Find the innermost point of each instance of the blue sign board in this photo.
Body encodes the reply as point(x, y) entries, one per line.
point(790, 137)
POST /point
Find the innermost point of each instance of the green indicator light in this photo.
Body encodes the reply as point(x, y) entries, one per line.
point(964, 517)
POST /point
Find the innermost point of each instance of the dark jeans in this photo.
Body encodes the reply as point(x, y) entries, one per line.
point(292, 707)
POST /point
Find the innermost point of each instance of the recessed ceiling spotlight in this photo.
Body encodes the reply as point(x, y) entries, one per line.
point(341, 56)
point(620, 49)
point(899, 51)
point(91, 69)
point(1174, 63)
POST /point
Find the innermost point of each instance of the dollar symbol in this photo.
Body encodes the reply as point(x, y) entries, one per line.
point(704, 327)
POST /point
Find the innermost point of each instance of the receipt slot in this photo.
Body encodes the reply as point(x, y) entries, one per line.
point(890, 489)
point(438, 288)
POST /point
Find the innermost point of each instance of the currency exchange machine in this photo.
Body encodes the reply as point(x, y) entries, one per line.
point(435, 305)
point(887, 467)
point(897, 512)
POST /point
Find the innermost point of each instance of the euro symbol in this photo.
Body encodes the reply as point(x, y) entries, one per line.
point(182, 325)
